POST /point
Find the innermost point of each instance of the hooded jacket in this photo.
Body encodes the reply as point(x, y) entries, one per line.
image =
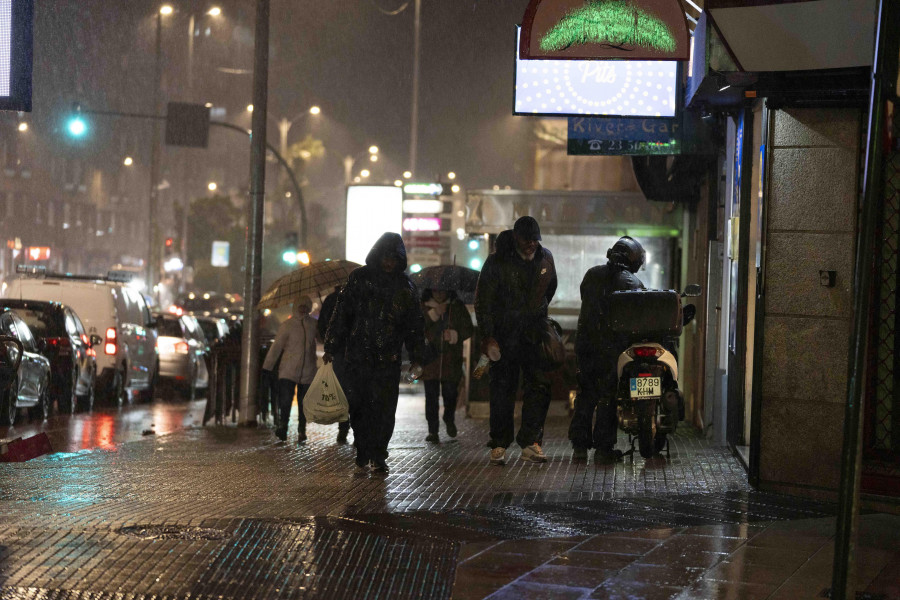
point(513, 294)
point(295, 343)
point(378, 312)
point(593, 337)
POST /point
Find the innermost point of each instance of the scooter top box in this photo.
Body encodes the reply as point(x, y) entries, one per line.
point(645, 313)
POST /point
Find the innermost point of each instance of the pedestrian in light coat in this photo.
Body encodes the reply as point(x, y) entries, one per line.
point(447, 325)
point(295, 345)
point(377, 313)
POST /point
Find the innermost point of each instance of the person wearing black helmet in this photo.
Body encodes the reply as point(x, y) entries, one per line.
point(597, 351)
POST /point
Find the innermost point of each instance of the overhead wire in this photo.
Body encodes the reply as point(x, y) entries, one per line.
point(390, 13)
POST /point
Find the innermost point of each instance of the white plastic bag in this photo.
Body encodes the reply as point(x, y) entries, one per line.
point(325, 402)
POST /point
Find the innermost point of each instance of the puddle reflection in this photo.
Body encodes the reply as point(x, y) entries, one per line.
point(107, 427)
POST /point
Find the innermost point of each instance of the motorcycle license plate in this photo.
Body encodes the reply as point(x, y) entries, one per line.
point(646, 387)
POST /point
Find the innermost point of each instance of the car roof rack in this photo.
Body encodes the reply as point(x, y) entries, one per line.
point(41, 271)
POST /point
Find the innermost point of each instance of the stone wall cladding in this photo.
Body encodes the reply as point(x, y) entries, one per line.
point(810, 226)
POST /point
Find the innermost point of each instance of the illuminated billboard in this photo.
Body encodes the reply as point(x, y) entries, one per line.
point(371, 211)
point(622, 88)
point(16, 18)
point(601, 29)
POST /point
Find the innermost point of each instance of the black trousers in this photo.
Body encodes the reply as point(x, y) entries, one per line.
point(450, 391)
point(372, 392)
point(597, 382)
point(286, 389)
point(535, 402)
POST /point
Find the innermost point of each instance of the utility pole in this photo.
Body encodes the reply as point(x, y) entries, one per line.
point(253, 255)
point(414, 119)
point(152, 224)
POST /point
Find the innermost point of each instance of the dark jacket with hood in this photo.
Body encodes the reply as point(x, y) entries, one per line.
point(513, 294)
point(377, 312)
point(593, 339)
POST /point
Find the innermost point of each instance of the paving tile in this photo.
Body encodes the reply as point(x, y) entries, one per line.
point(887, 581)
point(777, 557)
point(726, 590)
point(562, 575)
point(468, 550)
point(700, 543)
point(522, 590)
point(800, 589)
point(663, 575)
point(594, 560)
point(680, 557)
point(546, 549)
point(743, 531)
point(772, 575)
point(631, 590)
point(619, 545)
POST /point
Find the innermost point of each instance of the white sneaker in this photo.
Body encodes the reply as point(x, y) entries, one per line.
point(533, 453)
point(498, 456)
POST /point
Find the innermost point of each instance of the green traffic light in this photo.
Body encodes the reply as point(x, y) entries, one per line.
point(289, 257)
point(76, 127)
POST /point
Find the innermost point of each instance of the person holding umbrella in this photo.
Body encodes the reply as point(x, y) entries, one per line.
point(447, 326)
point(295, 345)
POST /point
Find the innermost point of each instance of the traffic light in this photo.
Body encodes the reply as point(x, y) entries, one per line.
point(477, 251)
point(76, 126)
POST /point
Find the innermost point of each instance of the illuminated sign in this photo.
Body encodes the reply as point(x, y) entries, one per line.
point(220, 253)
point(592, 29)
point(428, 189)
point(621, 136)
point(595, 87)
point(372, 210)
point(16, 18)
point(423, 206)
point(422, 224)
point(38, 252)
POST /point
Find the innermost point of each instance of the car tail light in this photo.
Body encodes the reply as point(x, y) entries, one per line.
point(110, 346)
point(58, 342)
point(644, 352)
point(85, 339)
point(181, 348)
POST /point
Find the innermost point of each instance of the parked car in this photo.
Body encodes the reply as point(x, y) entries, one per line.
point(182, 353)
point(10, 358)
point(214, 328)
point(30, 387)
point(127, 360)
point(73, 359)
point(204, 304)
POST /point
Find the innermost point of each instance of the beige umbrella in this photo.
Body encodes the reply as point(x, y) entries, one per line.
point(310, 280)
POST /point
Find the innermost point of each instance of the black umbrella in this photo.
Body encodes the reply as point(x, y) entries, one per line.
point(448, 278)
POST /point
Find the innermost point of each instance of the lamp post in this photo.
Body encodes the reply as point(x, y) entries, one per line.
point(285, 124)
point(153, 227)
point(350, 161)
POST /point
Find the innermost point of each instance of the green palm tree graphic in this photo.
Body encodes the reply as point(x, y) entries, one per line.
point(615, 23)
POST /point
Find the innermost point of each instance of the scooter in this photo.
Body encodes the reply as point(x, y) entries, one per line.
point(648, 402)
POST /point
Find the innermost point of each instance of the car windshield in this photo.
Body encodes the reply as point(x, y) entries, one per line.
point(170, 327)
point(42, 324)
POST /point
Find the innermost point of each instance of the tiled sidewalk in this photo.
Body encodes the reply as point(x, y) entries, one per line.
point(232, 513)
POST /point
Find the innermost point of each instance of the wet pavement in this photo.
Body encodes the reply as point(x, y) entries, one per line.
point(233, 513)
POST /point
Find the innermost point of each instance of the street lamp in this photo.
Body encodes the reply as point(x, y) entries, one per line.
point(166, 10)
point(23, 126)
point(350, 161)
point(215, 11)
point(284, 126)
point(212, 186)
point(128, 161)
point(407, 174)
point(451, 175)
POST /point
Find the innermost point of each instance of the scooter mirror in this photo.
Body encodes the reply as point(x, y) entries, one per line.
point(692, 290)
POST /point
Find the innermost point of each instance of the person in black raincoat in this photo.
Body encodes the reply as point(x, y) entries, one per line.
point(377, 313)
point(516, 285)
point(325, 314)
point(597, 351)
point(447, 325)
